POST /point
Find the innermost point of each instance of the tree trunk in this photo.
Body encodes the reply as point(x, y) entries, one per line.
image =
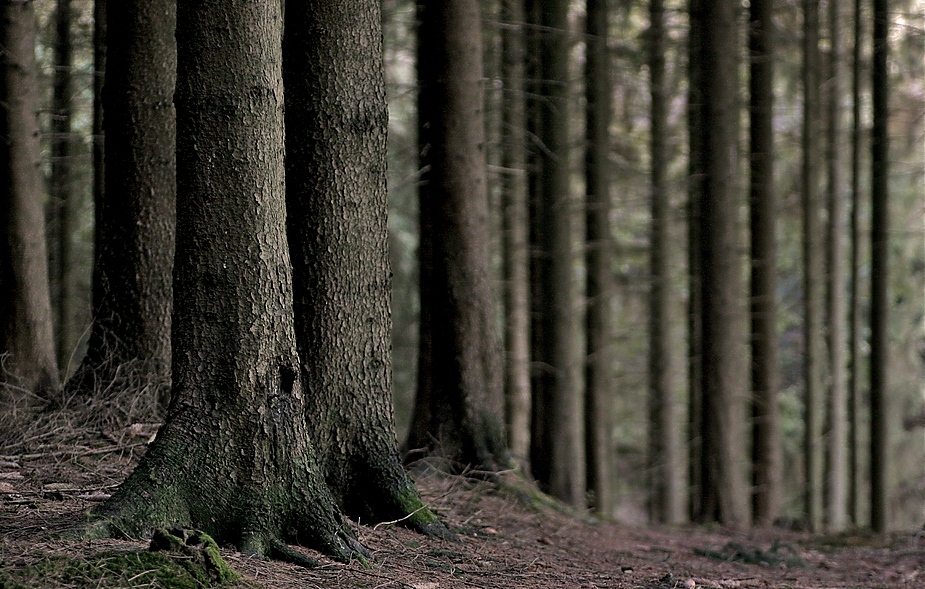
point(666, 501)
point(336, 128)
point(724, 490)
point(235, 457)
point(516, 248)
point(812, 271)
point(836, 437)
point(465, 400)
point(27, 347)
point(130, 337)
point(767, 453)
point(879, 267)
point(560, 463)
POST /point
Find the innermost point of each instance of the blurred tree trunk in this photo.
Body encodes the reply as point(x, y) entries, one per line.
point(27, 346)
point(464, 408)
point(559, 460)
point(767, 454)
point(855, 405)
point(132, 295)
point(837, 434)
point(813, 456)
point(338, 242)
point(516, 248)
point(879, 275)
point(724, 490)
point(62, 198)
point(666, 490)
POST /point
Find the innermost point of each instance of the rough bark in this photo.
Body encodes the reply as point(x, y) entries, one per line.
point(667, 494)
point(336, 124)
point(767, 453)
point(136, 211)
point(724, 491)
point(464, 407)
point(27, 348)
point(599, 273)
point(812, 270)
point(879, 275)
point(837, 431)
point(235, 457)
point(515, 230)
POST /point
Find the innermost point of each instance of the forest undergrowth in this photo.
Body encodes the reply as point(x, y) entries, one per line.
point(56, 465)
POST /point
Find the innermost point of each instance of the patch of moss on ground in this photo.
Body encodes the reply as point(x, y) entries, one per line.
point(778, 554)
point(114, 570)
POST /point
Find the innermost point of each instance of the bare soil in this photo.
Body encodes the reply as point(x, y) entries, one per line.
point(54, 469)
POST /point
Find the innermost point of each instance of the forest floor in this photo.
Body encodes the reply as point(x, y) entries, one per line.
point(56, 468)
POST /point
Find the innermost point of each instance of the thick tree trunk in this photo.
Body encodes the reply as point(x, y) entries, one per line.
point(27, 348)
point(336, 127)
point(767, 453)
point(665, 461)
point(724, 491)
point(516, 247)
point(234, 457)
point(136, 214)
point(879, 275)
point(599, 379)
point(837, 434)
point(812, 270)
point(464, 407)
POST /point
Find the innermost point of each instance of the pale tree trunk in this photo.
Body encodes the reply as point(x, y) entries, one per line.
point(465, 404)
point(338, 239)
point(813, 461)
point(879, 275)
point(560, 466)
point(666, 487)
point(516, 253)
point(837, 434)
point(130, 338)
point(599, 379)
point(234, 458)
point(767, 453)
point(724, 489)
point(27, 347)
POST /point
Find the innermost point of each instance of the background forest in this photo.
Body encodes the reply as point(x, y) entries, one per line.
point(67, 155)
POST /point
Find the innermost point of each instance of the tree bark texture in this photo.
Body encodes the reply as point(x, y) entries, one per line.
point(767, 452)
point(879, 275)
point(724, 490)
point(665, 460)
point(599, 378)
point(836, 495)
point(235, 457)
point(813, 455)
point(515, 231)
point(336, 125)
point(464, 406)
point(136, 215)
point(27, 347)
point(558, 459)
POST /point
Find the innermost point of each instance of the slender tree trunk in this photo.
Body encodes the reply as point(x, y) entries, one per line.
point(516, 248)
point(812, 271)
point(767, 454)
point(234, 457)
point(879, 275)
point(854, 335)
point(465, 403)
point(666, 502)
point(136, 215)
point(338, 239)
point(559, 392)
point(724, 489)
point(837, 467)
point(27, 347)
